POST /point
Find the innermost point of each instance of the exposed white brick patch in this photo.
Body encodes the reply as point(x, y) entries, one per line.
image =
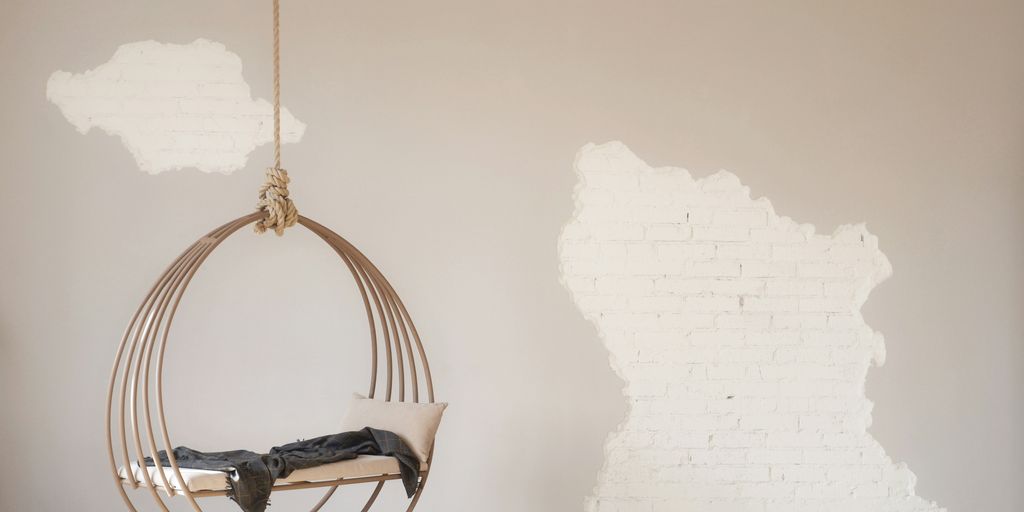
point(739, 335)
point(174, 106)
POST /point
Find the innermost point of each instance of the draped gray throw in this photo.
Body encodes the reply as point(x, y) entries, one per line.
point(251, 475)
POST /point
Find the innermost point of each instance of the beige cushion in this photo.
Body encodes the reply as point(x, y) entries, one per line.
point(415, 423)
point(204, 480)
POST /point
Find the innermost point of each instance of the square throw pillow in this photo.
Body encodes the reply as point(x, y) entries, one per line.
point(415, 423)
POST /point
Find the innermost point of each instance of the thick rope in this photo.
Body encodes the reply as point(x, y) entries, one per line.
point(278, 208)
point(277, 84)
point(274, 202)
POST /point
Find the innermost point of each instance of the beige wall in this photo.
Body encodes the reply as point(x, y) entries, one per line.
point(467, 116)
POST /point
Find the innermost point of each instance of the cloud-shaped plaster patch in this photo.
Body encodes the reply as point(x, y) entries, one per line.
point(174, 106)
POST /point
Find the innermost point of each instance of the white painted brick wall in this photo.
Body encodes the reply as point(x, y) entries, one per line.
point(173, 106)
point(738, 333)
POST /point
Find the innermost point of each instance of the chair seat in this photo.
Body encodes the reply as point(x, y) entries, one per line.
point(205, 480)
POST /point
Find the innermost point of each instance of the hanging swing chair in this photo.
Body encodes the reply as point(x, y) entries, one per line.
point(136, 424)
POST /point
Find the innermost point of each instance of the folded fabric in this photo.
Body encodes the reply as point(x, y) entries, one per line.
point(252, 475)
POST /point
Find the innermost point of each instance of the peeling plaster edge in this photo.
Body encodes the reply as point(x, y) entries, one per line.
point(577, 208)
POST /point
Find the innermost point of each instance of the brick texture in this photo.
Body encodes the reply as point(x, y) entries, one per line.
point(739, 335)
point(173, 106)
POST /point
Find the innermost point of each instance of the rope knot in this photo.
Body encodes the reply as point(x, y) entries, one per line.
point(279, 210)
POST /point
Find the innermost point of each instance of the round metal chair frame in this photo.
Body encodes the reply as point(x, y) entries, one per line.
point(139, 390)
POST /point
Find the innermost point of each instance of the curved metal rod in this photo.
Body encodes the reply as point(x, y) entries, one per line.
point(110, 393)
point(404, 319)
point(364, 282)
point(130, 362)
point(373, 497)
point(415, 335)
point(419, 492)
point(146, 334)
point(371, 286)
point(393, 319)
point(288, 486)
point(344, 245)
point(148, 349)
point(419, 347)
point(356, 276)
point(141, 332)
point(323, 501)
point(423, 481)
point(391, 336)
point(348, 247)
point(404, 337)
point(143, 337)
point(363, 276)
point(207, 250)
point(332, 490)
point(132, 326)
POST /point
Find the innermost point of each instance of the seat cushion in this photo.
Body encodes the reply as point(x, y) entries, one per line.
point(204, 480)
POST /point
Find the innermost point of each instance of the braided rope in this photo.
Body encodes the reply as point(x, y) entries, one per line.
point(279, 210)
point(277, 84)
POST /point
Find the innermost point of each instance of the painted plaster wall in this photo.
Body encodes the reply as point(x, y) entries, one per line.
point(739, 336)
point(441, 138)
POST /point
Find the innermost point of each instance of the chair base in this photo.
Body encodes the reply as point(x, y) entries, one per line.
point(333, 484)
